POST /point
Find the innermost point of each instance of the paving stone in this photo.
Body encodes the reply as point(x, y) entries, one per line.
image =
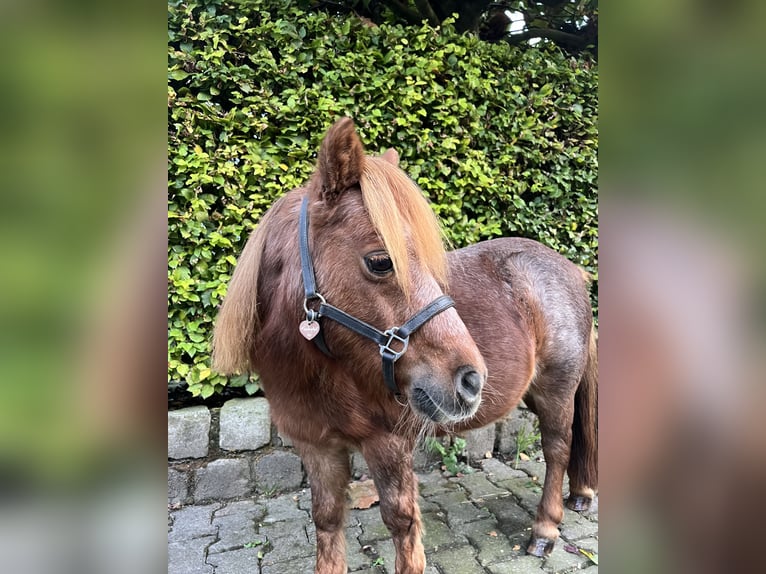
point(496, 470)
point(387, 553)
point(478, 486)
point(364, 558)
point(245, 424)
point(223, 479)
point(277, 472)
point(358, 465)
point(433, 483)
point(284, 529)
point(357, 559)
point(510, 517)
point(178, 487)
point(520, 565)
point(438, 535)
point(285, 440)
point(533, 468)
point(508, 429)
point(235, 531)
point(457, 561)
point(188, 556)
point(311, 532)
point(241, 507)
point(303, 498)
point(287, 546)
point(193, 522)
point(478, 442)
point(424, 458)
point(561, 561)
point(427, 506)
point(527, 491)
point(236, 561)
point(283, 508)
point(580, 528)
point(303, 565)
point(457, 508)
point(352, 516)
point(488, 539)
point(188, 432)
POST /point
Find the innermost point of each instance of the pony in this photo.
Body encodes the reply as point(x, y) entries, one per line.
point(355, 259)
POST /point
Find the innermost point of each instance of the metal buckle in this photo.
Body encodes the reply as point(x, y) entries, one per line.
point(392, 336)
point(312, 315)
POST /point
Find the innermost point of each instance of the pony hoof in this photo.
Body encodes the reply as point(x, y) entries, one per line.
point(578, 503)
point(540, 547)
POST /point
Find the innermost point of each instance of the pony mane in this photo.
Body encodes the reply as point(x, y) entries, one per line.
point(399, 210)
point(237, 323)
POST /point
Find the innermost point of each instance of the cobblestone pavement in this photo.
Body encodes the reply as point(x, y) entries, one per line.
point(475, 524)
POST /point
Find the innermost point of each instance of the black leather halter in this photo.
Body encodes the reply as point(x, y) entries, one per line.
point(398, 337)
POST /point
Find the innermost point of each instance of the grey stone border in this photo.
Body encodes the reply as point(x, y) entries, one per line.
point(235, 452)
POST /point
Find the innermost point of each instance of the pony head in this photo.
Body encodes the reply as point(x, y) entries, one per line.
point(378, 254)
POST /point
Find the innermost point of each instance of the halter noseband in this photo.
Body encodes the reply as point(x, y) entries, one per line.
point(398, 337)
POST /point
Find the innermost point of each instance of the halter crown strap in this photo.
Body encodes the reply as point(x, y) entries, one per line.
point(392, 343)
point(309, 281)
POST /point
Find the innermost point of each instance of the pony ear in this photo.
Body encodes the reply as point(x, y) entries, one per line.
point(341, 160)
point(391, 156)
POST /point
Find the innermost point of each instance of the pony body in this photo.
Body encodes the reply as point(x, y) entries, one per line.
point(521, 328)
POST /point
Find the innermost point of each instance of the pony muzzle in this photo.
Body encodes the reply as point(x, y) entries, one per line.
point(443, 404)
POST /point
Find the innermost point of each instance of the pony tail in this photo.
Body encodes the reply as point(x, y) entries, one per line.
point(583, 461)
point(237, 324)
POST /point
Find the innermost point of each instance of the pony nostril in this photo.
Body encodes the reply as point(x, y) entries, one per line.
point(469, 384)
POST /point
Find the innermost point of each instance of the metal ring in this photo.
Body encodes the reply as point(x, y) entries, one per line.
point(306, 302)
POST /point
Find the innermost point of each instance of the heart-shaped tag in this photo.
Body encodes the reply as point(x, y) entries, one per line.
point(309, 329)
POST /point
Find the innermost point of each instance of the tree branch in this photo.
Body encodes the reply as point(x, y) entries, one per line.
point(557, 36)
point(403, 10)
point(426, 10)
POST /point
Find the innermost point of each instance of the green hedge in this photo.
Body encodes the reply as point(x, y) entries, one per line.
point(503, 140)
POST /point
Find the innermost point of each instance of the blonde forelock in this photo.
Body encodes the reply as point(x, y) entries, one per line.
point(400, 212)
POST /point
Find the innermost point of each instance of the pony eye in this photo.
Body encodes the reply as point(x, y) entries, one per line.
point(379, 263)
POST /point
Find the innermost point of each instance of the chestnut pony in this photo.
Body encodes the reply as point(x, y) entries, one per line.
point(346, 277)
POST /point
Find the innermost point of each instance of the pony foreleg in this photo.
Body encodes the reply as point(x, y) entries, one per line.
point(389, 459)
point(328, 471)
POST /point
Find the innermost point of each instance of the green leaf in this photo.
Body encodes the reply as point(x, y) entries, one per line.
point(178, 75)
point(239, 380)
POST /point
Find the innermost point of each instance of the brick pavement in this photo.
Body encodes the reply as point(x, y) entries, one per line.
point(475, 524)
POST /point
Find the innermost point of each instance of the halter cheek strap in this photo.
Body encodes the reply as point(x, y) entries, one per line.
point(393, 342)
